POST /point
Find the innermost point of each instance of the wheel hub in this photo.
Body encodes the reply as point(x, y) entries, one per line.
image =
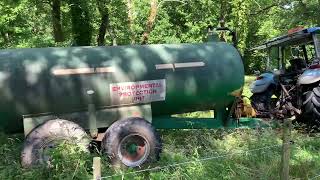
point(133, 150)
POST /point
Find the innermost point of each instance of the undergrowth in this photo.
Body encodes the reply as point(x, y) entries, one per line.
point(182, 146)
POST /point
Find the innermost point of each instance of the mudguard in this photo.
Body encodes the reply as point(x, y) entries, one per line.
point(309, 76)
point(262, 84)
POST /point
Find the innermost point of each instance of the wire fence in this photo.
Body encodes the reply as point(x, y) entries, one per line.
point(315, 177)
point(284, 167)
point(318, 175)
point(238, 152)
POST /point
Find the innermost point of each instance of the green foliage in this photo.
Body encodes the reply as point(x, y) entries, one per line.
point(26, 23)
point(21, 25)
point(247, 81)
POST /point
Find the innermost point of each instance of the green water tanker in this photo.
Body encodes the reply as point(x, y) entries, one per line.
point(79, 92)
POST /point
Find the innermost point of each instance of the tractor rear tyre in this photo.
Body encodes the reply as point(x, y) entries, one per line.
point(311, 106)
point(131, 142)
point(47, 136)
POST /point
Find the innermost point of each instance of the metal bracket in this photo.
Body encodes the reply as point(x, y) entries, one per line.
point(92, 115)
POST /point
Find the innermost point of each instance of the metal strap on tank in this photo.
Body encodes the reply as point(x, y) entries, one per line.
point(180, 65)
point(74, 71)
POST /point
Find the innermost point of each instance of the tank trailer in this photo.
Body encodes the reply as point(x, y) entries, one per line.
point(118, 95)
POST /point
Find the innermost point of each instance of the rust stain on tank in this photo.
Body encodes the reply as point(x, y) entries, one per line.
point(237, 92)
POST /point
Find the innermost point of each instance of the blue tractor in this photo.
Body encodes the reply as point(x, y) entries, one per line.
point(292, 76)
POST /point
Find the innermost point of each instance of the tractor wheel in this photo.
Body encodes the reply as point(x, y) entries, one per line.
point(311, 106)
point(37, 146)
point(131, 142)
point(261, 102)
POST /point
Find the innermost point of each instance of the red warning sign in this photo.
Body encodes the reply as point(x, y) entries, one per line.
point(138, 92)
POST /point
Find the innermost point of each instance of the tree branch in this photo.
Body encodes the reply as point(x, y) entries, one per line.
point(46, 2)
point(264, 9)
point(278, 3)
point(180, 1)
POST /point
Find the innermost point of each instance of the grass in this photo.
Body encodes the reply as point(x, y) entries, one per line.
point(183, 146)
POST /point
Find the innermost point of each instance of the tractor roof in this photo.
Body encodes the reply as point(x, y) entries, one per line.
point(294, 37)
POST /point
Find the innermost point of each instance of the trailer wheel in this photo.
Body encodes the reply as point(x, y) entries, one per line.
point(46, 136)
point(131, 142)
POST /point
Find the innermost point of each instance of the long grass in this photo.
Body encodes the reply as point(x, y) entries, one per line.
point(182, 146)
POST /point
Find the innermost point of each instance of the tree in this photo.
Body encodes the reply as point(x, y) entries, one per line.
point(104, 22)
point(80, 18)
point(131, 20)
point(56, 21)
point(224, 11)
point(150, 22)
point(24, 23)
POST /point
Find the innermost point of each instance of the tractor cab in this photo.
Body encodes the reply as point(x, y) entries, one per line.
point(292, 52)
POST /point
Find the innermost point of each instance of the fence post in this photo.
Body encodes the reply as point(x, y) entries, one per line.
point(285, 157)
point(96, 168)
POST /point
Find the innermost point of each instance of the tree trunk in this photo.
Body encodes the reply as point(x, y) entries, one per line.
point(113, 36)
point(114, 41)
point(56, 21)
point(318, 23)
point(103, 10)
point(130, 18)
point(81, 28)
point(151, 19)
point(222, 18)
point(5, 36)
point(103, 29)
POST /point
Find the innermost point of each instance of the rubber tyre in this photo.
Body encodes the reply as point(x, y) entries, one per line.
point(262, 101)
point(125, 128)
point(311, 105)
point(48, 132)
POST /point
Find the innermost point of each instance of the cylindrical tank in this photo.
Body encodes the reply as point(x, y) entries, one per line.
point(193, 77)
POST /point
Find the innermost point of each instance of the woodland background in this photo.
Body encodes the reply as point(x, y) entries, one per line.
point(49, 23)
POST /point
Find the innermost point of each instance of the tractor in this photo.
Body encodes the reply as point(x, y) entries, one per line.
point(290, 85)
